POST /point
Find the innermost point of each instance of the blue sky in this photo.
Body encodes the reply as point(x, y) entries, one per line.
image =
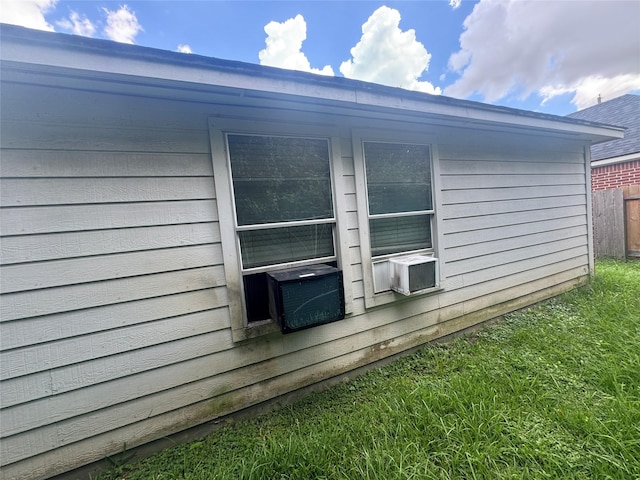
point(549, 56)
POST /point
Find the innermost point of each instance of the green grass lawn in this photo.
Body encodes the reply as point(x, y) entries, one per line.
point(549, 392)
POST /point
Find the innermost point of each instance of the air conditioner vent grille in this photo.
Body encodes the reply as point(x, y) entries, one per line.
point(304, 297)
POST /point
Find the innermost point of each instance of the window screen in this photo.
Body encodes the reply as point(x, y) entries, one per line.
point(399, 196)
point(280, 179)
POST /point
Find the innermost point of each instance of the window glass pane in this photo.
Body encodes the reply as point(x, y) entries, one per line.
point(287, 244)
point(280, 179)
point(400, 234)
point(398, 177)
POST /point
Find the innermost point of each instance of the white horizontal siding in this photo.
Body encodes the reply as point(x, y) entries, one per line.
point(111, 263)
point(117, 389)
point(56, 273)
point(516, 210)
point(47, 328)
point(18, 192)
point(46, 356)
point(460, 239)
point(87, 137)
point(534, 214)
point(520, 240)
point(56, 246)
point(88, 295)
point(505, 180)
point(183, 346)
point(498, 148)
point(471, 194)
point(93, 164)
point(484, 208)
point(485, 292)
point(492, 258)
point(528, 218)
point(114, 318)
point(531, 166)
point(72, 218)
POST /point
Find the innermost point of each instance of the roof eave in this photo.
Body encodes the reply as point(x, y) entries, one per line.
point(29, 47)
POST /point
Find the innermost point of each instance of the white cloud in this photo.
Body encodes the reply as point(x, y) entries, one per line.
point(122, 25)
point(284, 46)
point(184, 48)
point(80, 25)
point(455, 3)
point(27, 13)
point(587, 90)
point(548, 48)
point(387, 55)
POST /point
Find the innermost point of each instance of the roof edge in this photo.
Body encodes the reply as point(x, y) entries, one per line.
point(18, 41)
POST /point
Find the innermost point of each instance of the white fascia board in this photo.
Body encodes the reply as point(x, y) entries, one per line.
point(95, 62)
point(90, 57)
point(490, 114)
point(615, 160)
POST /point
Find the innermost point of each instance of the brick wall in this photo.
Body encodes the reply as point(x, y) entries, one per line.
point(614, 176)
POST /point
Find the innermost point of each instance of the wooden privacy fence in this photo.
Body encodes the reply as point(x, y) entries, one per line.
point(616, 222)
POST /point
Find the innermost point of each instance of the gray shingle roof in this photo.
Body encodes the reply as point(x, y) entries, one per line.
point(623, 111)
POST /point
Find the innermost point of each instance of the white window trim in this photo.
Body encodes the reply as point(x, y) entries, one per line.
point(371, 298)
point(218, 127)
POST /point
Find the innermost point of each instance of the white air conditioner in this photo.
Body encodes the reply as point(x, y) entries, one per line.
point(413, 274)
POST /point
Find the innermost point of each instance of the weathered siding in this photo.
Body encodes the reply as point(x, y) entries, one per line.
point(115, 329)
point(511, 212)
point(515, 219)
point(112, 284)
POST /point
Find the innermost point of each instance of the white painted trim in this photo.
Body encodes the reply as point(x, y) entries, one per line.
point(589, 200)
point(437, 235)
point(231, 260)
point(612, 161)
point(340, 212)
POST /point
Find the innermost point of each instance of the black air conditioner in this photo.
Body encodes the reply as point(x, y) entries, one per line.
point(304, 297)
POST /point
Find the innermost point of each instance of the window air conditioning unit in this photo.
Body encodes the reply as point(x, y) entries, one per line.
point(304, 297)
point(413, 274)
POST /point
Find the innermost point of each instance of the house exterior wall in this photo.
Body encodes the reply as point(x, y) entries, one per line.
point(115, 324)
point(616, 175)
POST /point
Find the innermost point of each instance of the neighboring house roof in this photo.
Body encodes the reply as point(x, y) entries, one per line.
point(131, 68)
point(623, 111)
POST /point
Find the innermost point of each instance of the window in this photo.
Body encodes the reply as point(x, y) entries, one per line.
point(283, 207)
point(283, 200)
point(275, 192)
point(394, 180)
point(399, 197)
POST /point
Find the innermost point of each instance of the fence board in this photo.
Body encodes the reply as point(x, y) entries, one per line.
point(631, 194)
point(608, 223)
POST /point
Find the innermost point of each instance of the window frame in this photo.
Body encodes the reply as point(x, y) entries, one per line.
point(219, 128)
point(371, 265)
